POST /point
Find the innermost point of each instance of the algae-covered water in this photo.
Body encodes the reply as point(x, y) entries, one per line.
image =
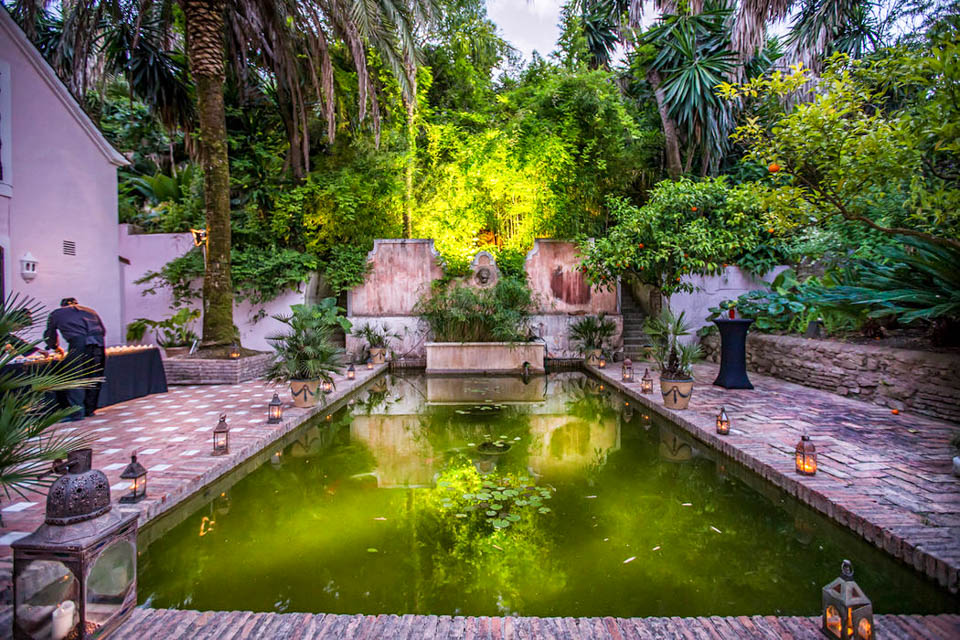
point(491, 497)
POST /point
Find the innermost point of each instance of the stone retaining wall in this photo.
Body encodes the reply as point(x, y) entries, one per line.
point(208, 371)
point(919, 381)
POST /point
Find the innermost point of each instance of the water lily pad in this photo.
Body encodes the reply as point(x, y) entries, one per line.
point(491, 513)
point(544, 509)
point(496, 505)
point(468, 496)
point(513, 517)
point(372, 550)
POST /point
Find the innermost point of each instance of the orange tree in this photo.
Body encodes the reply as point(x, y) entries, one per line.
point(687, 228)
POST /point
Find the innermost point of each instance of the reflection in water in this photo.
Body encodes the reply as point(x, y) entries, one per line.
point(483, 497)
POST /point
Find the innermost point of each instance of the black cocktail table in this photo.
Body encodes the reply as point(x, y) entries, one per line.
point(733, 353)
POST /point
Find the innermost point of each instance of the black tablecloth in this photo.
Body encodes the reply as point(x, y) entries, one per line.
point(127, 375)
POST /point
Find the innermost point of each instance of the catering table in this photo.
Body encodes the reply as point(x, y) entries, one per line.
point(128, 373)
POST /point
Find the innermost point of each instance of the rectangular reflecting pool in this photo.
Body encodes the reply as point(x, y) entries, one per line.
point(489, 496)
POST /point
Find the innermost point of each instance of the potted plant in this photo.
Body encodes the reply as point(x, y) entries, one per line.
point(376, 338)
point(303, 355)
point(173, 334)
point(589, 334)
point(675, 360)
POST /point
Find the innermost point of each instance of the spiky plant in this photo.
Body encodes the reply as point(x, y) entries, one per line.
point(674, 359)
point(30, 436)
point(304, 350)
point(592, 332)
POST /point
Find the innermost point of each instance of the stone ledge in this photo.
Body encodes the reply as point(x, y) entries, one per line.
point(920, 381)
point(186, 370)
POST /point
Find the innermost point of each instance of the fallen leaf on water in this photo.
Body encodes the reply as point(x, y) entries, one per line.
point(630, 559)
point(605, 539)
point(372, 550)
point(497, 548)
point(380, 518)
point(656, 548)
point(687, 504)
point(715, 529)
point(588, 497)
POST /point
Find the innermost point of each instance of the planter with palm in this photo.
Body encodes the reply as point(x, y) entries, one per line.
point(674, 359)
point(377, 339)
point(31, 433)
point(304, 357)
point(590, 334)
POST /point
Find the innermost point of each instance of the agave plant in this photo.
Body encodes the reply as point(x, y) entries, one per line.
point(304, 350)
point(30, 436)
point(674, 359)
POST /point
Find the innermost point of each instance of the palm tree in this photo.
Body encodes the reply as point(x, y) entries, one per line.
point(257, 37)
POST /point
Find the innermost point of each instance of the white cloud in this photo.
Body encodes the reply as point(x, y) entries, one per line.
point(527, 24)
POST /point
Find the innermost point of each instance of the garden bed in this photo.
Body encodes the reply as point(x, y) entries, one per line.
point(194, 370)
point(484, 357)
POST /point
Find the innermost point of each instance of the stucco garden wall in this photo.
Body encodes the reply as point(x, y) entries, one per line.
point(710, 291)
point(917, 381)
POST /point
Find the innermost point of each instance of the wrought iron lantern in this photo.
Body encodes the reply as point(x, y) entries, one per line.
point(806, 456)
point(602, 362)
point(221, 437)
point(137, 476)
point(199, 237)
point(351, 372)
point(234, 351)
point(627, 370)
point(369, 363)
point(275, 410)
point(326, 386)
point(847, 611)
point(646, 382)
point(76, 575)
point(723, 422)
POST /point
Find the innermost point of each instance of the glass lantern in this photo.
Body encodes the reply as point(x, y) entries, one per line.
point(137, 476)
point(847, 612)
point(646, 382)
point(75, 576)
point(723, 422)
point(275, 410)
point(626, 370)
point(234, 351)
point(221, 437)
point(351, 372)
point(369, 363)
point(806, 456)
point(602, 362)
point(326, 386)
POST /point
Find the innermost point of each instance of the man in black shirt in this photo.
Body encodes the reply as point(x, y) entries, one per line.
point(83, 330)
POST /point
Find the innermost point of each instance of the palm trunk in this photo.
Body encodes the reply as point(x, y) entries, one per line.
point(204, 27)
point(670, 137)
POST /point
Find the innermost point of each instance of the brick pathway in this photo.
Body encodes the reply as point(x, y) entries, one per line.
point(172, 434)
point(887, 477)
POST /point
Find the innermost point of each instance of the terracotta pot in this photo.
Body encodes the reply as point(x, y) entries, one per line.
point(592, 357)
point(306, 393)
point(676, 393)
point(378, 355)
point(175, 352)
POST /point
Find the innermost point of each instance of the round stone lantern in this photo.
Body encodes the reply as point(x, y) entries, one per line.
point(76, 576)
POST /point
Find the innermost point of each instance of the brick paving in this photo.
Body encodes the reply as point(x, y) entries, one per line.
point(172, 434)
point(887, 477)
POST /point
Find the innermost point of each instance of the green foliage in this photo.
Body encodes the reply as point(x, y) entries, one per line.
point(173, 332)
point(499, 501)
point(592, 332)
point(304, 351)
point(377, 337)
point(30, 436)
point(345, 267)
point(687, 227)
point(461, 313)
point(673, 358)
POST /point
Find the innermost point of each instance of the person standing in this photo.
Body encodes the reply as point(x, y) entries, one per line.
point(85, 334)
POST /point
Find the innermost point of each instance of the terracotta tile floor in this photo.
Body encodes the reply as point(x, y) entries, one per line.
point(887, 477)
point(172, 434)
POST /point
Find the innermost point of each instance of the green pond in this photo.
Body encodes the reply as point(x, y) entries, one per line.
point(488, 496)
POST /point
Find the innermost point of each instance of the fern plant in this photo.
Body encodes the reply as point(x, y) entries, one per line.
point(674, 359)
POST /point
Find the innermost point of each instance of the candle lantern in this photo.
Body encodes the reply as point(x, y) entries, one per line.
point(326, 386)
point(234, 351)
point(351, 372)
point(76, 575)
point(369, 363)
point(847, 612)
point(723, 422)
point(221, 437)
point(627, 370)
point(275, 410)
point(137, 476)
point(806, 456)
point(602, 363)
point(646, 382)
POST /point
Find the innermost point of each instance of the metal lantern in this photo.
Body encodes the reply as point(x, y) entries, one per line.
point(76, 575)
point(351, 372)
point(806, 456)
point(369, 363)
point(221, 437)
point(602, 363)
point(137, 476)
point(847, 611)
point(234, 351)
point(275, 410)
point(646, 382)
point(723, 422)
point(326, 386)
point(627, 370)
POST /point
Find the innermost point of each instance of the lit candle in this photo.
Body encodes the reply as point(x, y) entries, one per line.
point(62, 620)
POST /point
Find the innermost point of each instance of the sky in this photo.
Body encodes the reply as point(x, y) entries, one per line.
point(527, 24)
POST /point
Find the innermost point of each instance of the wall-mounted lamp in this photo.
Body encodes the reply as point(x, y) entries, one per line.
point(28, 267)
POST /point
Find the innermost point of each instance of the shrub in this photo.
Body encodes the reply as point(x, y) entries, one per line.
point(673, 358)
point(461, 313)
point(304, 350)
point(591, 332)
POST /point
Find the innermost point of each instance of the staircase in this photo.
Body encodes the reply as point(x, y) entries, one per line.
point(634, 339)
